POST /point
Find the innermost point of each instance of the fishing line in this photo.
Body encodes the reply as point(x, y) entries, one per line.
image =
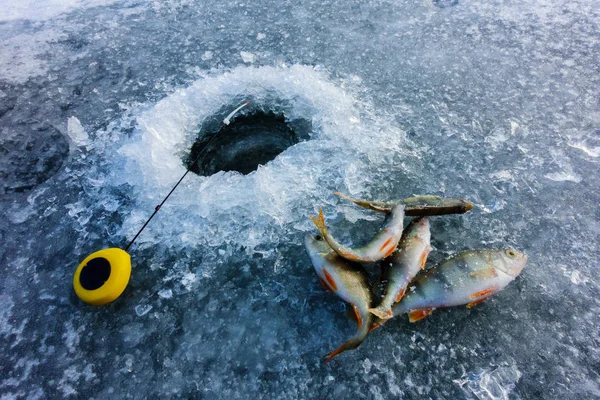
point(103, 275)
point(226, 121)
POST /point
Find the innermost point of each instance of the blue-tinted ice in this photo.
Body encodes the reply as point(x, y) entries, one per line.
point(101, 101)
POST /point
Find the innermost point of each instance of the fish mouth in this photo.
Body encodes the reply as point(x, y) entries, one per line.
point(468, 205)
point(514, 267)
point(522, 265)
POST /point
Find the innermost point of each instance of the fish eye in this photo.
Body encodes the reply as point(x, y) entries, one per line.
point(511, 253)
point(319, 237)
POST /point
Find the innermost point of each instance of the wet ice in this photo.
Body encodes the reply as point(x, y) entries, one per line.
point(495, 102)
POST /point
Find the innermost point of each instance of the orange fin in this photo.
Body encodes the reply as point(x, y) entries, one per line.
point(484, 292)
point(489, 272)
point(400, 295)
point(347, 255)
point(423, 259)
point(349, 345)
point(320, 223)
point(385, 244)
point(390, 251)
point(330, 280)
point(325, 285)
point(417, 315)
point(377, 324)
point(474, 303)
point(330, 356)
point(381, 314)
point(358, 317)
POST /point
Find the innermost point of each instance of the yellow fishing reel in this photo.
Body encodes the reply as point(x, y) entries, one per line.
point(102, 276)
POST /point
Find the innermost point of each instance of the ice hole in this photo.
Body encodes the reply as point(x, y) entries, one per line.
point(250, 140)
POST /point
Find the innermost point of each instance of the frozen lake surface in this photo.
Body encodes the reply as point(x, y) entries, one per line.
point(101, 102)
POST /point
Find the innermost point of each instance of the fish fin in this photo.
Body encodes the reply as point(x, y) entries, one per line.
point(385, 244)
point(329, 356)
point(372, 205)
point(417, 315)
point(382, 312)
point(423, 259)
point(474, 303)
point(320, 222)
point(330, 280)
point(400, 295)
point(390, 251)
point(359, 319)
point(345, 197)
point(376, 324)
point(348, 255)
point(485, 292)
point(484, 273)
point(349, 345)
point(325, 285)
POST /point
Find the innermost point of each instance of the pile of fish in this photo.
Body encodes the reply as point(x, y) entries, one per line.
point(467, 278)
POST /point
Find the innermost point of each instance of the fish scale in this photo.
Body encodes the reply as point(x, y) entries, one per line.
point(347, 280)
point(404, 265)
point(465, 279)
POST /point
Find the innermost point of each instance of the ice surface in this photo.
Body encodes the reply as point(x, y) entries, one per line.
point(39, 10)
point(492, 385)
point(101, 101)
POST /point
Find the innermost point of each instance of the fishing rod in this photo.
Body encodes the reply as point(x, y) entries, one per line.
point(103, 275)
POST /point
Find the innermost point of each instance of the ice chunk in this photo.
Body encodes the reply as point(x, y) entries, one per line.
point(248, 58)
point(76, 132)
point(566, 171)
point(590, 151)
point(142, 309)
point(494, 384)
point(563, 176)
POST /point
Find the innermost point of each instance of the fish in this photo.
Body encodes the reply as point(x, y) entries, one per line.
point(348, 281)
point(417, 206)
point(404, 264)
point(468, 278)
point(380, 247)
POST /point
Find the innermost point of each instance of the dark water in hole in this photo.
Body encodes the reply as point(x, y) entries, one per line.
point(247, 142)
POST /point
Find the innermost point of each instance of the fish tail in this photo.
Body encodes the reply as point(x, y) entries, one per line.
point(343, 196)
point(371, 205)
point(349, 345)
point(320, 223)
point(382, 312)
point(354, 342)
